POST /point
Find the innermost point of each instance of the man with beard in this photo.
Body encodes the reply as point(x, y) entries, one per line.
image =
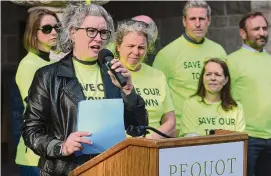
point(251, 85)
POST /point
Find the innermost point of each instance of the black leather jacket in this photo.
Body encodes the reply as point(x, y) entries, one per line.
point(50, 115)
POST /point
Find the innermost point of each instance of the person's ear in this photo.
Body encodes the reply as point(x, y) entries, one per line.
point(226, 80)
point(184, 21)
point(243, 34)
point(118, 48)
point(72, 32)
point(209, 20)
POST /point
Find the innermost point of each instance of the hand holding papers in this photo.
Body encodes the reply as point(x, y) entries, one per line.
point(104, 119)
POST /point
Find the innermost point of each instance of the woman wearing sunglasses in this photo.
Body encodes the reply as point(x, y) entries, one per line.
point(133, 40)
point(212, 106)
point(49, 126)
point(39, 38)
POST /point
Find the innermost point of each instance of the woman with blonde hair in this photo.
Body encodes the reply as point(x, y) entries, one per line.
point(39, 38)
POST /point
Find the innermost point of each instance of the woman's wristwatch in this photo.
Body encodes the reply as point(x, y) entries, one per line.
point(59, 149)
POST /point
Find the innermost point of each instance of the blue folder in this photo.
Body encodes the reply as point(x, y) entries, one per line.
point(104, 119)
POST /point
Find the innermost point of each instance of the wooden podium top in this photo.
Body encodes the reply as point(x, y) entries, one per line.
point(159, 144)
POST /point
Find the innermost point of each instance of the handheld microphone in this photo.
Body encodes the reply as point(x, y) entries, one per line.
point(105, 57)
point(142, 131)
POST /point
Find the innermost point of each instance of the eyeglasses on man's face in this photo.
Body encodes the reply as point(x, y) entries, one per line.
point(47, 29)
point(93, 32)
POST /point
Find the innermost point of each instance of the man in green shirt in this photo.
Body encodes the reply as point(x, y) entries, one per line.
point(251, 85)
point(182, 59)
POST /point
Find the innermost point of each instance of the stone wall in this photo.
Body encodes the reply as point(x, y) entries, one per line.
point(13, 19)
point(167, 14)
point(224, 26)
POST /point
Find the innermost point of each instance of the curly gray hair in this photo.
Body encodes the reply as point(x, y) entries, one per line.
point(127, 26)
point(73, 17)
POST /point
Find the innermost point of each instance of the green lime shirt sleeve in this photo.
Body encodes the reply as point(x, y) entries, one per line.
point(240, 120)
point(187, 121)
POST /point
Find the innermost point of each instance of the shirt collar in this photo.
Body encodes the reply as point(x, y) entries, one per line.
point(192, 41)
point(245, 46)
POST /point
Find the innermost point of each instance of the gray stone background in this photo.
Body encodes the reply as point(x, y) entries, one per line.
point(167, 15)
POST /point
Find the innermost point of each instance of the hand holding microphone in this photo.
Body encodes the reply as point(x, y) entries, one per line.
point(119, 74)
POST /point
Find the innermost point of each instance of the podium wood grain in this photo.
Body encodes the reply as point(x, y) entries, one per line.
point(140, 156)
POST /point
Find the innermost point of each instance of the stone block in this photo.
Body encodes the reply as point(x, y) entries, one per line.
point(3, 49)
point(154, 9)
point(233, 40)
point(11, 12)
point(235, 19)
point(217, 35)
point(238, 7)
point(267, 15)
point(268, 45)
point(121, 10)
point(9, 28)
point(258, 5)
point(217, 7)
point(170, 29)
point(12, 49)
point(229, 38)
point(163, 9)
point(268, 50)
point(219, 22)
point(158, 44)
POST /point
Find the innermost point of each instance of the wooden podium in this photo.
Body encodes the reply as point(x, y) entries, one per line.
point(145, 157)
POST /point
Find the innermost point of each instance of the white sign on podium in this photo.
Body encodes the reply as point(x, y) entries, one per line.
point(224, 159)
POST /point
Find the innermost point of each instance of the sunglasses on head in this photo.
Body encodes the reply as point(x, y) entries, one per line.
point(47, 29)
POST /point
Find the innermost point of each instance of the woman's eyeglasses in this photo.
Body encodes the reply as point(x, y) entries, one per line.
point(92, 33)
point(47, 29)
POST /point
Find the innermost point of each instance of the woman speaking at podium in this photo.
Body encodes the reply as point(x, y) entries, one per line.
point(212, 106)
point(49, 122)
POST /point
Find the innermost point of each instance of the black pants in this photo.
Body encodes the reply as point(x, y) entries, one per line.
point(259, 157)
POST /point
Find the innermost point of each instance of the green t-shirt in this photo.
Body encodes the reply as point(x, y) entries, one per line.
point(200, 117)
point(24, 76)
point(89, 76)
point(251, 85)
point(182, 62)
point(151, 85)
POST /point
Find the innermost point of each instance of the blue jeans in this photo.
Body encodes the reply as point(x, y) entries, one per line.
point(259, 157)
point(29, 170)
point(17, 109)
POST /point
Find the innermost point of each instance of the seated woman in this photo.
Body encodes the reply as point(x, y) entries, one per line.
point(49, 122)
point(133, 39)
point(212, 106)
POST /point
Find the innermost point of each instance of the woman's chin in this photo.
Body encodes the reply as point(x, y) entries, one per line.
point(132, 67)
point(93, 55)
